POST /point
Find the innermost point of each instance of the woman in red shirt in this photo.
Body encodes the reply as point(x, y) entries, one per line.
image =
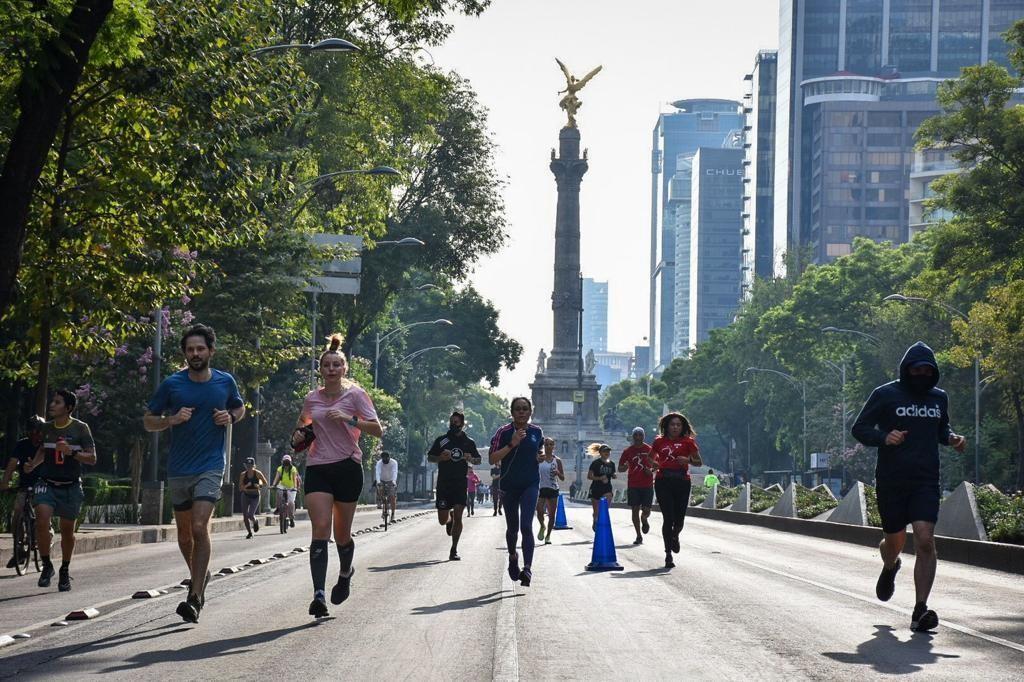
point(674, 451)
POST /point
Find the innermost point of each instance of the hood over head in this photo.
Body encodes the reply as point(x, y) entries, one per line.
point(918, 354)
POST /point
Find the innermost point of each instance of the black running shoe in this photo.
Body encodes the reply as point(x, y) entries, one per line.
point(318, 608)
point(644, 526)
point(924, 619)
point(639, 540)
point(255, 525)
point(525, 576)
point(513, 566)
point(886, 584)
point(189, 609)
point(448, 527)
point(454, 556)
point(11, 562)
point(291, 522)
point(340, 591)
point(668, 560)
point(675, 544)
point(249, 536)
point(44, 577)
point(64, 580)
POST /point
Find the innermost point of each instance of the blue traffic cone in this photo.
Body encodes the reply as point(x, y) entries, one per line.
point(603, 558)
point(561, 523)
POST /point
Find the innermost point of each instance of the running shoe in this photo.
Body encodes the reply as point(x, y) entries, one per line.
point(10, 562)
point(886, 584)
point(668, 560)
point(318, 607)
point(644, 526)
point(249, 536)
point(341, 589)
point(392, 518)
point(291, 522)
point(189, 609)
point(525, 576)
point(448, 527)
point(454, 556)
point(675, 544)
point(639, 540)
point(44, 577)
point(513, 566)
point(540, 533)
point(547, 540)
point(256, 525)
point(64, 580)
point(924, 619)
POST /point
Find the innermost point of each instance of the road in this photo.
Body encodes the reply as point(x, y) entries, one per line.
point(743, 603)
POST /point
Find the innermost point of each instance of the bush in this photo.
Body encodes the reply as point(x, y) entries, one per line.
point(811, 503)
point(761, 499)
point(1002, 515)
point(698, 494)
point(726, 496)
point(6, 507)
point(871, 502)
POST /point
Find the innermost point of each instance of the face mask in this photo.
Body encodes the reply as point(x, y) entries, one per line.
point(920, 384)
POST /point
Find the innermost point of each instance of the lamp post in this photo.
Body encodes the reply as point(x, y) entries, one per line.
point(841, 369)
point(326, 45)
point(450, 348)
point(803, 399)
point(977, 373)
point(381, 339)
point(838, 330)
point(744, 381)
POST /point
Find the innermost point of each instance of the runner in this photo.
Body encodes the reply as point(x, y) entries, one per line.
point(472, 487)
point(202, 404)
point(250, 482)
point(602, 471)
point(907, 420)
point(67, 445)
point(636, 459)
point(551, 471)
point(338, 412)
point(515, 448)
point(674, 451)
point(385, 473)
point(495, 490)
point(453, 453)
point(288, 478)
point(24, 451)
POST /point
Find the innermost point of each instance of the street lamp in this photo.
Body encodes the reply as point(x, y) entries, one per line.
point(841, 369)
point(404, 241)
point(326, 45)
point(745, 381)
point(803, 399)
point(838, 330)
point(382, 339)
point(977, 373)
point(450, 348)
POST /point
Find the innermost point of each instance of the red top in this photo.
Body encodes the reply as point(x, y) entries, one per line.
point(667, 449)
point(634, 457)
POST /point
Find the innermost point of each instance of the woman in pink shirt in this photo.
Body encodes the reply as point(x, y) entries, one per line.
point(472, 481)
point(338, 412)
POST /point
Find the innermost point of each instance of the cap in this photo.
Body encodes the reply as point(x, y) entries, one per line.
point(603, 447)
point(250, 460)
point(640, 430)
point(286, 458)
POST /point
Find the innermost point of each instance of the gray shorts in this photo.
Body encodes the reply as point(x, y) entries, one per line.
point(184, 490)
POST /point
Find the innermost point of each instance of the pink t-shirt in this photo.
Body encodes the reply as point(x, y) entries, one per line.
point(472, 480)
point(336, 441)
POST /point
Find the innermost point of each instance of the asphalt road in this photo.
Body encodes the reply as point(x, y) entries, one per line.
point(743, 603)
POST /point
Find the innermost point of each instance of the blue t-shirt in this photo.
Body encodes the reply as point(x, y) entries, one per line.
point(519, 468)
point(198, 444)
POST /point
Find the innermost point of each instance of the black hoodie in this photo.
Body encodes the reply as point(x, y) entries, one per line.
point(923, 413)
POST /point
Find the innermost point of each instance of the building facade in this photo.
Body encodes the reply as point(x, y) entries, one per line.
point(764, 240)
point(595, 316)
point(695, 123)
point(855, 80)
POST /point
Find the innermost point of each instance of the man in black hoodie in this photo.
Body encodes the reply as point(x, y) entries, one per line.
point(906, 420)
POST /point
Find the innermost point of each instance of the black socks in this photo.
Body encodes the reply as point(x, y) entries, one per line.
point(345, 554)
point(318, 564)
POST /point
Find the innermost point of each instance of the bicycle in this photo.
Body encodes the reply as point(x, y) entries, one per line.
point(26, 550)
point(284, 497)
point(383, 499)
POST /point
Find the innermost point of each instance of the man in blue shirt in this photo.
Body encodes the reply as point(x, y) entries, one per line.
point(198, 404)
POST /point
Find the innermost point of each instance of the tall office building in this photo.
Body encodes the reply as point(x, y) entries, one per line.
point(695, 123)
point(716, 239)
point(595, 316)
point(764, 239)
point(855, 80)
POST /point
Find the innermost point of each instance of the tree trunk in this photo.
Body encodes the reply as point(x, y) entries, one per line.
point(43, 95)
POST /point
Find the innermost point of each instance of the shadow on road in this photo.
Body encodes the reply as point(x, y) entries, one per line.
point(648, 573)
point(462, 604)
point(887, 654)
point(405, 567)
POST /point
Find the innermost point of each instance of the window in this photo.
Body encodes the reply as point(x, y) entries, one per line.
point(884, 119)
point(847, 139)
point(885, 158)
point(836, 250)
point(845, 119)
point(884, 177)
point(884, 139)
point(844, 158)
point(882, 213)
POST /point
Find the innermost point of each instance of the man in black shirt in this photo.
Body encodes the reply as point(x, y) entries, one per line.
point(453, 453)
point(24, 450)
point(496, 490)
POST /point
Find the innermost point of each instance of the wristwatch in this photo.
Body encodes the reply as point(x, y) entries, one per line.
point(354, 421)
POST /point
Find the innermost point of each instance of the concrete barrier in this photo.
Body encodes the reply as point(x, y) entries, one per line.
point(786, 506)
point(959, 517)
point(711, 499)
point(742, 503)
point(853, 509)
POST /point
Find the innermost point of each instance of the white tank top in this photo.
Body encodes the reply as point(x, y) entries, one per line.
point(548, 474)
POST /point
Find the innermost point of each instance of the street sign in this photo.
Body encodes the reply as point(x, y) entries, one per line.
point(338, 276)
point(578, 396)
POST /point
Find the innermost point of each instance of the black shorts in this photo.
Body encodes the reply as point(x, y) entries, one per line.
point(901, 505)
point(343, 480)
point(548, 494)
point(451, 494)
point(640, 497)
point(599, 490)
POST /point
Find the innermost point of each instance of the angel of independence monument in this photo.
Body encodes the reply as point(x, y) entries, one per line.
point(564, 392)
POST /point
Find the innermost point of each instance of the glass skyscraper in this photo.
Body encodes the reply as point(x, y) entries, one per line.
point(595, 316)
point(763, 245)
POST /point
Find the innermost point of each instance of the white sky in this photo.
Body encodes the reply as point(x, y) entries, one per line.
point(653, 52)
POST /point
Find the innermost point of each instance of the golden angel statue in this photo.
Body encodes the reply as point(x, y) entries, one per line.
point(571, 103)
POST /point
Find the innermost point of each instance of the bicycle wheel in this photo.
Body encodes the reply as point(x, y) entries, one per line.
point(30, 525)
point(385, 516)
point(21, 547)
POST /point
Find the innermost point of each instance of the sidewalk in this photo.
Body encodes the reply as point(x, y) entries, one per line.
point(99, 537)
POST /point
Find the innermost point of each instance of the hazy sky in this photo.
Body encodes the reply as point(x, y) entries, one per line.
point(653, 52)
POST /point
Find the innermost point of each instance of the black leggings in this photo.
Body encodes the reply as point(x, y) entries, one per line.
point(673, 498)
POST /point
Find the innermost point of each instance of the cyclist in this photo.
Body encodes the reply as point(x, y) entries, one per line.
point(339, 412)
point(202, 402)
point(551, 471)
point(250, 482)
point(24, 450)
point(288, 480)
point(67, 445)
point(453, 453)
point(385, 477)
point(472, 490)
point(636, 459)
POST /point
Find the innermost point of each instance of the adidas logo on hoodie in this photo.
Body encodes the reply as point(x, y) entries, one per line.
point(932, 412)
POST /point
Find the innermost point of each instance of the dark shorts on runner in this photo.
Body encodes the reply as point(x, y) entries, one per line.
point(65, 500)
point(548, 494)
point(451, 494)
point(640, 497)
point(343, 480)
point(599, 490)
point(903, 504)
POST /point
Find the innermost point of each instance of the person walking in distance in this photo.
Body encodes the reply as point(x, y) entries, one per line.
point(551, 472)
point(636, 460)
point(673, 451)
point(711, 480)
point(250, 482)
point(287, 479)
point(339, 412)
point(514, 447)
point(23, 453)
point(472, 488)
point(198, 404)
point(601, 473)
point(385, 474)
point(907, 420)
point(67, 445)
point(454, 453)
point(495, 490)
